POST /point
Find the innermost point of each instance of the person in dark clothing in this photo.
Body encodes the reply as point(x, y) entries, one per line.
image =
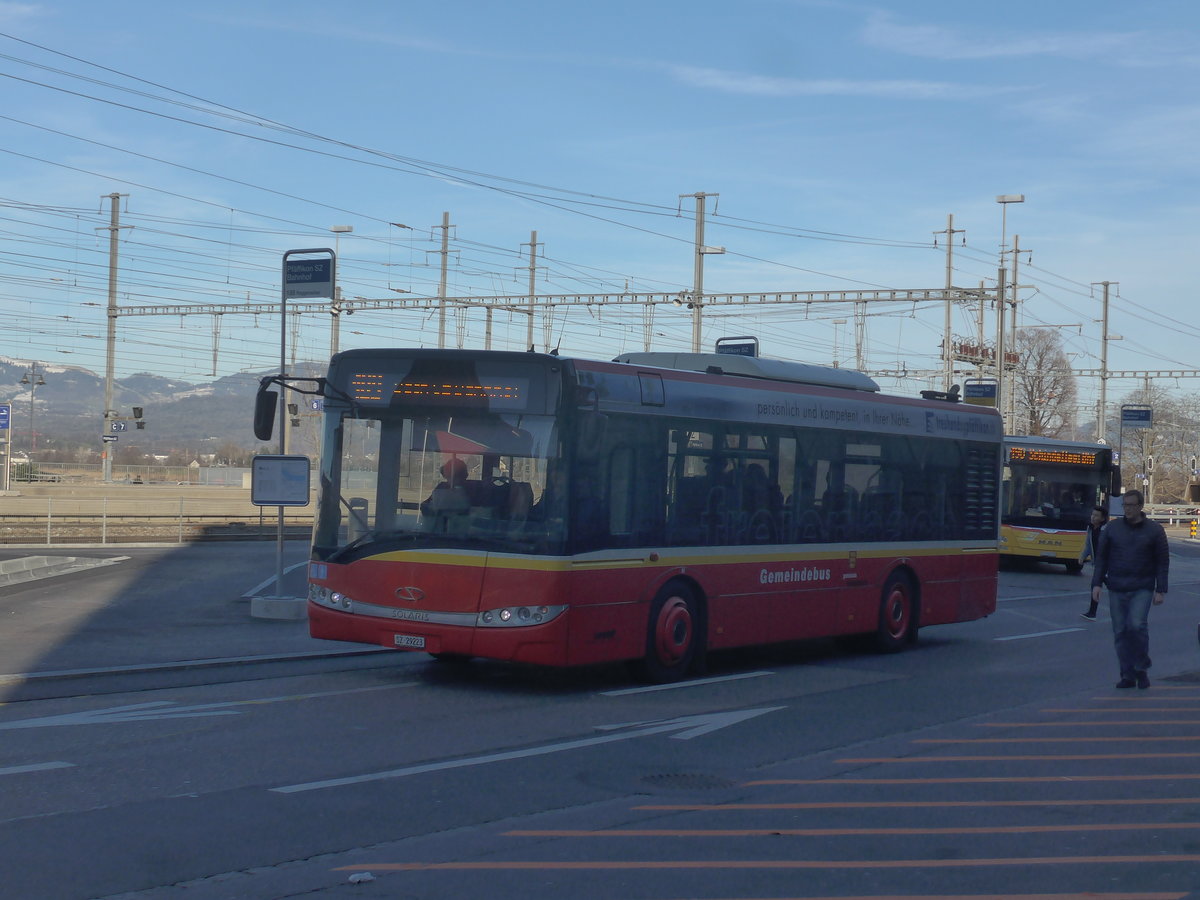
point(1132, 561)
point(453, 495)
point(1091, 540)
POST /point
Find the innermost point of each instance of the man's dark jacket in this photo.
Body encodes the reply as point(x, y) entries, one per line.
point(1132, 557)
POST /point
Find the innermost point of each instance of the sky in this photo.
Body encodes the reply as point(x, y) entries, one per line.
point(831, 140)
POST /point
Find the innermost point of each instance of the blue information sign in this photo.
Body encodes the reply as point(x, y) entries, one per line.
point(5, 416)
point(308, 278)
point(980, 393)
point(1137, 417)
point(738, 345)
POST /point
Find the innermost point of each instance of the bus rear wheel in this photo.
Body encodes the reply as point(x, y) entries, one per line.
point(672, 638)
point(897, 615)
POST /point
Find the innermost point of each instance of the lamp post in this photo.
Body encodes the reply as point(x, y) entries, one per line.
point(335, 303)
point(697, 303)
point(1003, 200)
point(33, 378)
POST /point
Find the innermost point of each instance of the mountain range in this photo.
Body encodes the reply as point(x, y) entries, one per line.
point(70, 406)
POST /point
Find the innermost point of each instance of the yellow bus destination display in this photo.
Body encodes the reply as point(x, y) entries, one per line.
point(373, 387)
point(1060, 457)
point(450, 390)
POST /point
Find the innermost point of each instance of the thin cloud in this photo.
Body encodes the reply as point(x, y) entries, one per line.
point(20, 13)
point(338, 30)
point(767, 86)
point(1132, 48)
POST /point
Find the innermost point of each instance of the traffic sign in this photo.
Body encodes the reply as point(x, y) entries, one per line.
point(107, 438)
point(119, 426)
point(5, 415)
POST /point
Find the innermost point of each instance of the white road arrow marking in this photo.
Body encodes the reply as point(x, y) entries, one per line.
point(688, 726)
point(158, 710)
point(696, 725)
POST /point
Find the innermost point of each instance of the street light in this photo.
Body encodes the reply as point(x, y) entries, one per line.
point(1003, 200)
point(33, 378)
point(335, 303)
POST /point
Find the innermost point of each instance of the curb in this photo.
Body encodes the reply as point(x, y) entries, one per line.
point(19, 678)
point(290, 608)
point(33, 568)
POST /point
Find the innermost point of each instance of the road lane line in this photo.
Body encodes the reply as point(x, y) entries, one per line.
point(986, 779)
point(158, 710)
point(1053, 740)
point(1078, 724)
point(1037, 634)
point(849, 832)
point(734, 864)
point(35, 767)
point(913, 804)
point(687, 727)
point(1041, 757)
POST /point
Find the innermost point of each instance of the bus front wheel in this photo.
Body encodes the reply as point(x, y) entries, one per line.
point(672, 638)
point(897, 615)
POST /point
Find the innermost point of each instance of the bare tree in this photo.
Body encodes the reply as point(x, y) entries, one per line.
point(1161, 455)
point(1044, 388)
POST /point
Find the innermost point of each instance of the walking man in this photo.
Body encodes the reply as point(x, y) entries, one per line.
point(1132, 560)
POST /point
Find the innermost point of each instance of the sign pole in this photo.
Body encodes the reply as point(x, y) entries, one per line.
point(301, 279)
point(5, 445)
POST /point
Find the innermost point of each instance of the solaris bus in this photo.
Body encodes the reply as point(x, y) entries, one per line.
point(565, 512)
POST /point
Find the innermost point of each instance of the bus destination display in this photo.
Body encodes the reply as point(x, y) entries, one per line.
point(373, 388)
point(1087, 458)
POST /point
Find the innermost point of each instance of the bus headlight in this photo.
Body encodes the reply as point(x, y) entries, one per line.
point(323, 596)
point(516, 616)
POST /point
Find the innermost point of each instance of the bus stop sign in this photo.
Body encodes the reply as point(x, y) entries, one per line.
point(308, 278)
point(980, 393)
point(1137, 417)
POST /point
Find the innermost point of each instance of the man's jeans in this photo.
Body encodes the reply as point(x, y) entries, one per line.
point(1130, 611)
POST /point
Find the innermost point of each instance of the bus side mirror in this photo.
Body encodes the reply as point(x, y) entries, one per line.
point(264, 413)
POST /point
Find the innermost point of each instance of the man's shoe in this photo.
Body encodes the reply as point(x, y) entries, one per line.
point(1090, 616)
point(1126, 683)
point(1143, 680)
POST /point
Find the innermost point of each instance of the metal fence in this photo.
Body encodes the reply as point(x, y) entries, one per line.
point(87, 473)
point(149, 517)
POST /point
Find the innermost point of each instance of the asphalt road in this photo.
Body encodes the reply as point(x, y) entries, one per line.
point(995, 759)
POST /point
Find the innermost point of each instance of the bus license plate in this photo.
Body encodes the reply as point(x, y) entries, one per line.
point(409, 640)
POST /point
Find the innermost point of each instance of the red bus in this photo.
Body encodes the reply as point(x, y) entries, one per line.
point(564, 512)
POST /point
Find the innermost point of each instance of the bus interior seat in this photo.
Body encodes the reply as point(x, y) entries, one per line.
point(449, 500)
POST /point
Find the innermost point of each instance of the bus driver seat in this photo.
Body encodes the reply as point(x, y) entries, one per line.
point(449, 501)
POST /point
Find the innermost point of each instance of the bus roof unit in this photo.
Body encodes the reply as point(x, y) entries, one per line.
point(753, 367)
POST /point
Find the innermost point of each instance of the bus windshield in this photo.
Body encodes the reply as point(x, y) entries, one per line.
point(1053, 484)
point(1045, 497)
point(475, 478)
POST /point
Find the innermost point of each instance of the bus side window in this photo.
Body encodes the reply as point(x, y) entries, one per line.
point(620, 493)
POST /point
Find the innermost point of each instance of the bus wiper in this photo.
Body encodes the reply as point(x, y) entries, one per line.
point(362, 540)
point(371, 537)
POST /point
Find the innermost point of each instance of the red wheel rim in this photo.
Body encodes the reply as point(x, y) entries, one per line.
point(897, 611)
point(673, 631)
